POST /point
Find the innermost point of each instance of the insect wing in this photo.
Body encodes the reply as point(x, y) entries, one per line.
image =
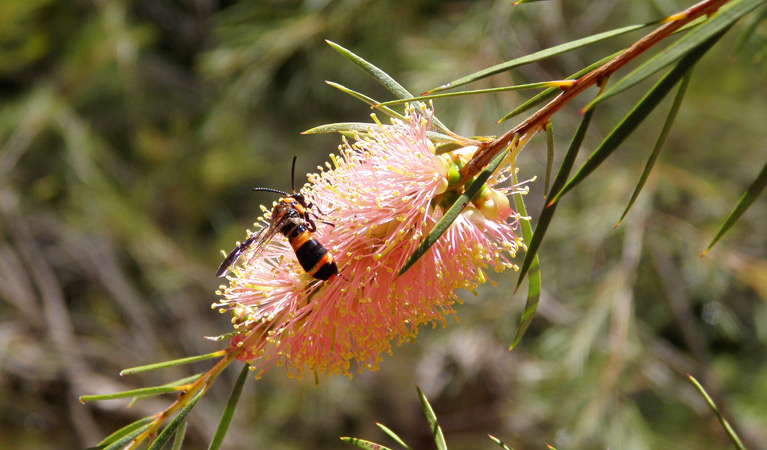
point(234, 255)
point(259, 247)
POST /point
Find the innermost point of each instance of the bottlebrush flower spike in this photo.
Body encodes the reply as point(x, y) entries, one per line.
point(383, 193)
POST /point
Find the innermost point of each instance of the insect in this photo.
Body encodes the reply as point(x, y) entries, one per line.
point(291, 217)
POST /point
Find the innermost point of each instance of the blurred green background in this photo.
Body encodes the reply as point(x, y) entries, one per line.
point(131, 133)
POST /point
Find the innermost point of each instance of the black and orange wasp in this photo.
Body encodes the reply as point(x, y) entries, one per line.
point(291, 217)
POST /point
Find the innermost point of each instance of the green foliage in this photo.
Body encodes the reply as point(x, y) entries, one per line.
point(142, 392)
point(728, 428)
point(431, 418)
point(547, 214)
point(231, 406)
point(532, 269)
point(177, 425)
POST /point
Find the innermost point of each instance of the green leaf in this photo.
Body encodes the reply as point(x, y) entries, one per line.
point(749, 31)
point(436, 430)
point(363, 444)
point(499, 442)
point(129, 429)
point(178, 440)
point(379, 75)
point(447, 147)
point(730, 432)
point(142, 392)
point(382, 77)
point(174, 424)
point(175, 362)
point(549, 156)
point(547, 214)
point(126, 439)
point(517, 87)
point(659, 143)
point(388, 111)
point(540, 55)
point(231, 406)
point(394, 436)
point(748, 197)
point(551, 92)
point(702, 36)
point(534, 280)
point(452, 213)
point(640, 111)
point(363, 127)
point(341, 127)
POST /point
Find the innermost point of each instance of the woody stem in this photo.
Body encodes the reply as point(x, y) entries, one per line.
point(538, 120)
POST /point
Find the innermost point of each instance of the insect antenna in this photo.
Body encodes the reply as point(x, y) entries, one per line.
point(293, 175)
point(276, 191)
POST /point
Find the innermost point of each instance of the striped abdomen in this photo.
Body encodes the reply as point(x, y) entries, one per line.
point(313, 257)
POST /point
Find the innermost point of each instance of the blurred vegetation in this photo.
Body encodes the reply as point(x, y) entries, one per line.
point(131, 133)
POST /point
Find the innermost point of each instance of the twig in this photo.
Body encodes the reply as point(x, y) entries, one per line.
point(538, 120)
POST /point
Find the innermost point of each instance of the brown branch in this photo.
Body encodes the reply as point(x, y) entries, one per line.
point(200, 386)
point(538, 120)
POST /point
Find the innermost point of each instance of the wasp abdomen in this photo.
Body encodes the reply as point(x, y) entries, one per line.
point(313, 256)
point(310, 253)
point(326, 269)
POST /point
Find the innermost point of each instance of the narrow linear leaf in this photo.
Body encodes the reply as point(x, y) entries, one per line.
point(124, 431)
point(379, 75)
point(142, 392)
point(499, 442)
point(231, 406)
point(547, 214)
point(540, 55)
point(549, 156)
point(363, 444)
point(659, 143)
point(452, 213)
point(533, 281)
point(340, 127)
point(640, 111)
point(519, 2)
point(364, 98)
point(746, 200)
point(124, 440)
point(447, 147)
point(551, 92)
point(749, 31)
point(693, 40)
point(517, 87)
point(363, 127)
point(178, 439)
point(730, 432)
point(436, 430)
point(174, 424)
point(175, 362)
point(394, 436)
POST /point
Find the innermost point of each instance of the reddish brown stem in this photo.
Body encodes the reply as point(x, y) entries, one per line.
point(200, 386)
point(537, 121)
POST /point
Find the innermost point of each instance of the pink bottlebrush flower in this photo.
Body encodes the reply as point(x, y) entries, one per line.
point(383, 194)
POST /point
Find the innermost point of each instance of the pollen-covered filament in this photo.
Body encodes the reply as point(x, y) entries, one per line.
point(383, 193)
